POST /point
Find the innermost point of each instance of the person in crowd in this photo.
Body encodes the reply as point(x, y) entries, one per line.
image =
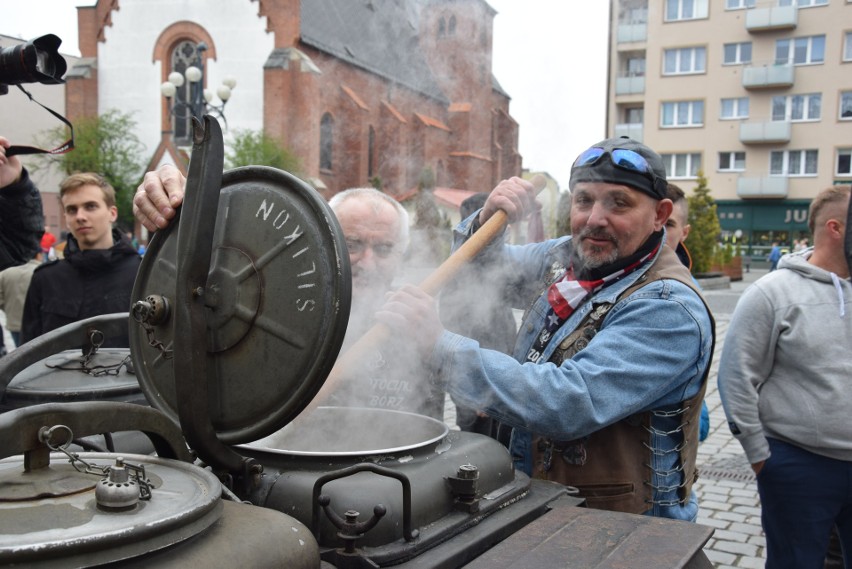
point(774, 256)
point(376, 229)
point(607, 374)
point(14, 283)
point(98, 270)
point(784, 384)
point(677, 230)
point(48, 240)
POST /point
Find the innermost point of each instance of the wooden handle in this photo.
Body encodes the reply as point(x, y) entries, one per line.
point(490, 230)
point(432, 284)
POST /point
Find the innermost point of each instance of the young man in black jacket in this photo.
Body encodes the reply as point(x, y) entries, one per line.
point(99, 268)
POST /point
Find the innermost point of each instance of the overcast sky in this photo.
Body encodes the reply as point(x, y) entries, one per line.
point(549, 55)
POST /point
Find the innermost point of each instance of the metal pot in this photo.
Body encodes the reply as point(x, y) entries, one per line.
point(411, 467)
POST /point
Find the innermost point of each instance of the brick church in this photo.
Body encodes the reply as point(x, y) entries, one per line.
point(359, 90)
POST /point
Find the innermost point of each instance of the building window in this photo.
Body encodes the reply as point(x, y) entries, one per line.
point(737, 53)
point(636, 67)
point(797, 107)
point(793, 162)
point(634, 115)
point(184, 56)
point(682, 165)
point(451, 27)
point(682, 114)
point(846, 105)
point(734, 108)
point(731, 161)
point(803, 3)
point(685, 10)
point(800, 51)
point(684, 60)
point(844, 162)
point(633, 15)
point(739, 4)
point(442, 27)
point(326, 141)
point(847, 46)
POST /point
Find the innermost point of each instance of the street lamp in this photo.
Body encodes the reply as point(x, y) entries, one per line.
point(198, 101)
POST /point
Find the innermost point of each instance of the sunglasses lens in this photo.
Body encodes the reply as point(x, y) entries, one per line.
point(589, 156)
point(630, 160)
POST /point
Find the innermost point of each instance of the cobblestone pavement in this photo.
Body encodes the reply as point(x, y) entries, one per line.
point(727, 490)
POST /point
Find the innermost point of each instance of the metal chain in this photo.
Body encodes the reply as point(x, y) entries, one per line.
point(137, 471)
point(141, 313)
point(96, 340)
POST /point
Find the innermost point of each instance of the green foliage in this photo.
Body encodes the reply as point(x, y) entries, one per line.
point(376, 182)
point(256, 148)
point(705, 226)
point(426, 180)
point(722, 255)
point(563, 215)
point(727, 254)
point(106, 145)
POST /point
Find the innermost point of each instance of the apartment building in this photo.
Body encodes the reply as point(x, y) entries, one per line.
point(756, 94)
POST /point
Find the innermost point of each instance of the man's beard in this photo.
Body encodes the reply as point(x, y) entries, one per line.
point(593, 256)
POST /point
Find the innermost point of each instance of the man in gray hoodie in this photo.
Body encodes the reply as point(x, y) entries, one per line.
point(785, 380)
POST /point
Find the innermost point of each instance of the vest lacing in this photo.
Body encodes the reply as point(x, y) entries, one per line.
point(656, 451)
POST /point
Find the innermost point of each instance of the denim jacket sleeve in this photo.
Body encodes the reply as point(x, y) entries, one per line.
point(650, 352)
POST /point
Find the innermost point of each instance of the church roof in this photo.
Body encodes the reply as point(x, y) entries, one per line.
point(380, 36)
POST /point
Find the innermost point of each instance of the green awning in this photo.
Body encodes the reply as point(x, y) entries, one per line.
point(790, 215)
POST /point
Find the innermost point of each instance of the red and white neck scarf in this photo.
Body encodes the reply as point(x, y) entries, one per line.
point(566, 294)
point(569, 292)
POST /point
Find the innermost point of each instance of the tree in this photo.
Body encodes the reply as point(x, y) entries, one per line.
point(107, 145)
point(429, 221)
point(256, 148)
point(563, 215)
point(705, 226)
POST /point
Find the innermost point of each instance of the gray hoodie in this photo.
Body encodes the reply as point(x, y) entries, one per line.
point(786, 366)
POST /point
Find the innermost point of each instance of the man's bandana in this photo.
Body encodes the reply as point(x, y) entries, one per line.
point(566, 294)
point(569, 292)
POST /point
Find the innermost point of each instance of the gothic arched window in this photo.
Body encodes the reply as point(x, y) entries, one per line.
point(184, 55)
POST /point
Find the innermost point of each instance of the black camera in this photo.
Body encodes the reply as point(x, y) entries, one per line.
point(36, 61)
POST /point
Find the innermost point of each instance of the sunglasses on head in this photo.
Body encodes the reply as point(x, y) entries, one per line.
point(623, 159)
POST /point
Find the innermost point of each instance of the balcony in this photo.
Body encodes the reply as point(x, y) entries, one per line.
point(762, 188)
point(629, 33)
point(629, 85)
point(630, 130)
point(772, 19)
point(774, 132)
point(768, 76)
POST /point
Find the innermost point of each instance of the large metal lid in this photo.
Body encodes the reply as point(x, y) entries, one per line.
point(70, 376)
point(276, 305)
point(52, 519)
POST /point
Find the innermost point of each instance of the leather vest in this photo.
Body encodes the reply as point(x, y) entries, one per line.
point(611, 467)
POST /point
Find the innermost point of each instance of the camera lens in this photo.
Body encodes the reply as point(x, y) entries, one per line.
point(37, 60)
